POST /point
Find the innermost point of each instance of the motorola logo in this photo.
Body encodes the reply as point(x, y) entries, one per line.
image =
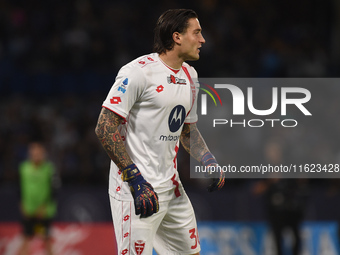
point(176, 118)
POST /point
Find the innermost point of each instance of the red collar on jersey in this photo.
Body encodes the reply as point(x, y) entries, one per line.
point(174, 70)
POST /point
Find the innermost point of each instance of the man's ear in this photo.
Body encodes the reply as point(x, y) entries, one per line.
point(177, 37)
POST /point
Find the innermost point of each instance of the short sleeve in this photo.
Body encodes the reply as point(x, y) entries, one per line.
point(126, 90)
point(192, 116)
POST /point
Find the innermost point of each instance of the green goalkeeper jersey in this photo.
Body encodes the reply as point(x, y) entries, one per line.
point(36, 188)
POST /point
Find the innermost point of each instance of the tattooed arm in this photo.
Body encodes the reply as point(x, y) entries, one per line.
point(198, 148)
point(109, 136)
point(145, 198)
point(195, 145)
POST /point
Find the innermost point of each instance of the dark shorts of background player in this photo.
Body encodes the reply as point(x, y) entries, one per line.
point(29, 226)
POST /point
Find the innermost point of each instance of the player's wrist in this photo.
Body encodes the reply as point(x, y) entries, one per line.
point(132, 175)
point(208, 159)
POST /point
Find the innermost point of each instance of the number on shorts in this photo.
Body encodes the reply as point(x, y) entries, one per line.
point(192, 236)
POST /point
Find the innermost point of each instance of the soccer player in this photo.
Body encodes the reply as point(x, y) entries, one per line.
point(150, 108)
point(38, 183)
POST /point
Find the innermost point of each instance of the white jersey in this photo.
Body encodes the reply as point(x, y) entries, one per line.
point(155, 101)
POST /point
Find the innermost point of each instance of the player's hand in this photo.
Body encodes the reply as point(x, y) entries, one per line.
point(145, 198)
point(218, 178)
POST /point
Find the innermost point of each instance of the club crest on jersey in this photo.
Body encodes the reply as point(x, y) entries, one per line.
point(122, 87)
point(176, 118)
point(175, 80)
point(139, 247)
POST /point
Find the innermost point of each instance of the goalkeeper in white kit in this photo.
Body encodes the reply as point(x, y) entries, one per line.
point(149, 111)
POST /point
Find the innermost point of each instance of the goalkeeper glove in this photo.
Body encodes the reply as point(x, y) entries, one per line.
point(208, 160)
point(145, 198)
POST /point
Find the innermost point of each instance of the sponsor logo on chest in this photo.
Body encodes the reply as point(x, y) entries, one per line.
point(175, 80)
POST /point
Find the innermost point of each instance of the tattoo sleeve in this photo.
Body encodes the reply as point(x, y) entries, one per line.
point(110, 138)
point(193, 142)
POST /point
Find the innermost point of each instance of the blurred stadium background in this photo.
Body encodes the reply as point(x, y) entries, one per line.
point(58, 59)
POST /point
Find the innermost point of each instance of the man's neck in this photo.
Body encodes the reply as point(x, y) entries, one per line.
point(37, 164)
point(171, 59)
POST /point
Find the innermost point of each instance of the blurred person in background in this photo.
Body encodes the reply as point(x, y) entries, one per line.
point(38, 205)
point(149, 109)
point(285, 203)
point(285, 200)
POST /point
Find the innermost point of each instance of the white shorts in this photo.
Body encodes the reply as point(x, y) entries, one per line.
point(171, 231)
